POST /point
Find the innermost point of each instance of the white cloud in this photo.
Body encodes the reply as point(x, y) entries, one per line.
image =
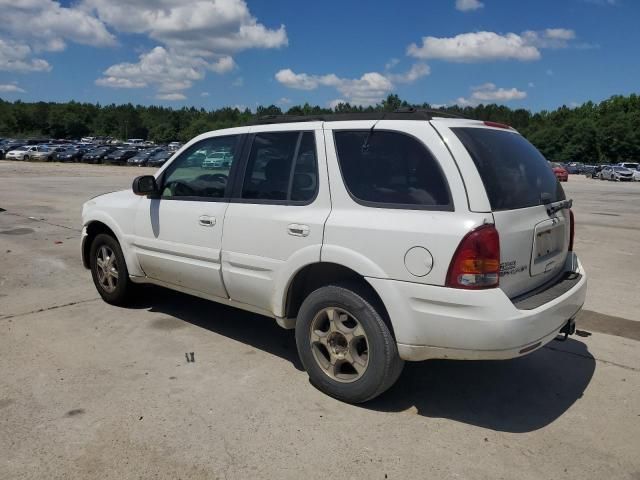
point(195, 37)
point(490, 93)
point(468, 5)
point(10, 88)
point(32, 26)
point(117, 82)
point(550, 38)
point(206, 27)
point(391, 63)
point(17, 57)
point(172, 97)
point(416, 71)
point(369, 89)
point(284, 101)
point(490, 46)
point(475, 47)
point(205, 94)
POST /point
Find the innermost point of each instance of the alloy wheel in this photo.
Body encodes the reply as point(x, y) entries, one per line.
point(339, 344)
point(107, 268)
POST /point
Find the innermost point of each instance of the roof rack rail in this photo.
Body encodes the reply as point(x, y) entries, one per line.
point(408, 113)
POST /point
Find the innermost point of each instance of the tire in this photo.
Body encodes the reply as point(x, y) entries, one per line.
point(116, 291)
point(328, 353)
point(25, 158)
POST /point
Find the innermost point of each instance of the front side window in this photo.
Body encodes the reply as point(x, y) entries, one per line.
point(390, 169)
point(282, 166)
point(197, 171)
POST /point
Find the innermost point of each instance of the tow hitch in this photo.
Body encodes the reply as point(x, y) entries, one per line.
point(568, 329)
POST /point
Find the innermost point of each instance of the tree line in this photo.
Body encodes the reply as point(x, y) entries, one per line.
point(603, 132)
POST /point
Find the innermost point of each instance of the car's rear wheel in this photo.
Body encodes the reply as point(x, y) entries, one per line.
point(109, 270)
point(345, 344)
point(25, 158)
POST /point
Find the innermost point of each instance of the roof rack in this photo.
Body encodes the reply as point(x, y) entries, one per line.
point(409, 113)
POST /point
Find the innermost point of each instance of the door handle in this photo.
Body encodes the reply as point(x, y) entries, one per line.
point(207, 221)
point(298, 230)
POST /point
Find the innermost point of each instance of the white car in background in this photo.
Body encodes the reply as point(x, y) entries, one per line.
point(616, 173)
point(379, 238)
point(22, 153)
point(635, 169)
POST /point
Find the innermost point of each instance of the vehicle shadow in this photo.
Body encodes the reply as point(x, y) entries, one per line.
point(255, 330)
point(519, 395)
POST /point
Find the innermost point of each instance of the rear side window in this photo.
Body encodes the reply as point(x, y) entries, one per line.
point(514, 172)
point(390, 169)
point(282, 166)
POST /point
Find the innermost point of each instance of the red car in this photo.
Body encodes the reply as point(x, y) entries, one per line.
point(559, 171)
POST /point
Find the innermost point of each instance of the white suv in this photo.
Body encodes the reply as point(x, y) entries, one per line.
point(379, 238)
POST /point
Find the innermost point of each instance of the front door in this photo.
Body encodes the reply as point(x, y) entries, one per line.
point(179, 235)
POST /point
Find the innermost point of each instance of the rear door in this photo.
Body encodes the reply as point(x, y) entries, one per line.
point(275, 221)
point(527, 202)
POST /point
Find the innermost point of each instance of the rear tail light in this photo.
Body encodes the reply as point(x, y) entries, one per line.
point(476, 263)
point(572, 229)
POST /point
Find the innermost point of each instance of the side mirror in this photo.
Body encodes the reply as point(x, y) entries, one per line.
point(145, 185)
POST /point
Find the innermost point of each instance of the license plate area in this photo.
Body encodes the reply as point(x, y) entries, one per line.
point(548, 246)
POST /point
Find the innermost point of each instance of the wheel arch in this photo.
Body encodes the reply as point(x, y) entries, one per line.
point(316, 275)
point(93, 229)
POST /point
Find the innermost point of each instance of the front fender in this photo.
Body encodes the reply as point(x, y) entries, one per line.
point(125, 241)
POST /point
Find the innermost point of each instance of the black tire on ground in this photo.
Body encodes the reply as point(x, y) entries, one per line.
point(384, 364)
point(25, 158)
point(123, 286)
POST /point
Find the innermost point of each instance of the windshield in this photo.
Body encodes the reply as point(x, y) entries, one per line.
point(514, 172)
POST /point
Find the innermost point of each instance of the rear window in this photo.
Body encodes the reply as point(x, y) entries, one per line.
point(514, 172)
point(390, 169)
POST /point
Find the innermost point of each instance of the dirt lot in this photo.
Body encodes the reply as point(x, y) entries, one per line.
point(88, 390)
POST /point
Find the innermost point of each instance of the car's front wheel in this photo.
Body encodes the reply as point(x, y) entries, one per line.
point(345, 344)
point(109, 270)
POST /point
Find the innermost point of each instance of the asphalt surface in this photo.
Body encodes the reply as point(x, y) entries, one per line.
point(88, 390)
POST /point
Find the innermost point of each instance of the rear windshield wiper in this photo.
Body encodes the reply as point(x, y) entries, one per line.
point(554, 207)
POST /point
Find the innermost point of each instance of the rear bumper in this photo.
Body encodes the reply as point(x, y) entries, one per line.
point(437, 322)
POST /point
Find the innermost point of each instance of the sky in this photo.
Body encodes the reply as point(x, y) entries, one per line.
point(211, 53)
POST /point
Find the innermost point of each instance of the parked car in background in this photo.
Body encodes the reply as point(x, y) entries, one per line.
point(22, 153)
point(159, 158)
point(630, 165)
point(120, 156)
point(217, 160)
point(559, 171)
point(173, 146)
point(44, 154)
point(636, 174)
point(595, 172)
point(575, 167)
point(97, 155)
point(8, 145)
point(71, 154)
point(616, 173)
point(142, 157)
